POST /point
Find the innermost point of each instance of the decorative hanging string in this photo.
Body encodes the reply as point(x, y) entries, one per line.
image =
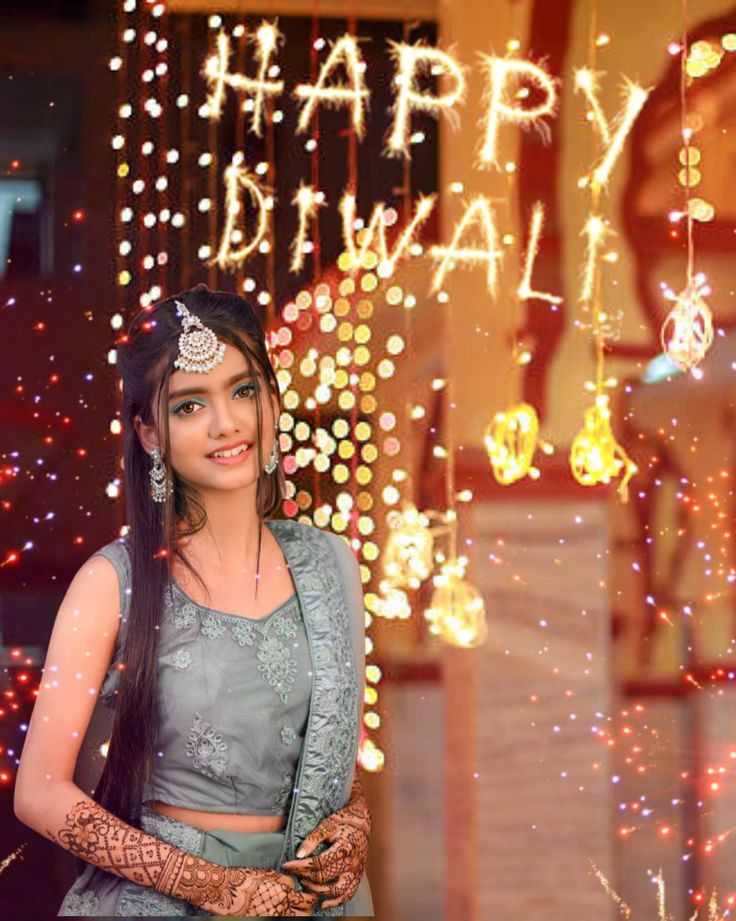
point(595, 455)
point(687, 332)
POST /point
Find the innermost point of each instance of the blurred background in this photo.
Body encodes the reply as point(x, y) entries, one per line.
point(536, 482)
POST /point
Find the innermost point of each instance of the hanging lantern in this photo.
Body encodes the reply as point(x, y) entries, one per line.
point(393, 603)
point(687, 333)
point(596, 457)
point(407, 558)
point(457, 612)
point(511, 440)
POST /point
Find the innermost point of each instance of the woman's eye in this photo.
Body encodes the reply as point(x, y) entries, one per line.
point(248, 389)
point(179, 411)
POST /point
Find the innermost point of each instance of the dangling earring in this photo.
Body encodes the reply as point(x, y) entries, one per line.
point(159, 484)
point(273, 459)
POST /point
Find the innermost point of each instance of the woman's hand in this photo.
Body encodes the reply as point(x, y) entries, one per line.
point(337, 871)
point(263, 893)
point(232, 890)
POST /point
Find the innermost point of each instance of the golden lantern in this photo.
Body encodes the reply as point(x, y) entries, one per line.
point(408, 555)
point(457, 612)
point(596, 457)
point(511, 440)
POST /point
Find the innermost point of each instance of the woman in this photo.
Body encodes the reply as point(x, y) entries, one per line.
point(228, 646)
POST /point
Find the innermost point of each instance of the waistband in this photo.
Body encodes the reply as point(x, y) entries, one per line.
point(221, 846)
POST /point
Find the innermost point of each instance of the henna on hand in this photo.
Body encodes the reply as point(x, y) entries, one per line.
point(101, 838)
point(337, 871)
point(232, 890)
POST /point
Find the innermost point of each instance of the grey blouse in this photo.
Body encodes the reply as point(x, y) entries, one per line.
point(233, 701)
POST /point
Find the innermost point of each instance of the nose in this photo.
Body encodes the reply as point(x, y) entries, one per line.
point(224, 419)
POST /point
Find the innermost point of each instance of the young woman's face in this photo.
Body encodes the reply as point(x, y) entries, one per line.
point(216, 411)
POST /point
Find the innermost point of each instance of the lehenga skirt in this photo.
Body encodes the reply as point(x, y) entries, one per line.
point(99, 893)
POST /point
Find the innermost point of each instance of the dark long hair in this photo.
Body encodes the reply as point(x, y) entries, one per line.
point(145, 360)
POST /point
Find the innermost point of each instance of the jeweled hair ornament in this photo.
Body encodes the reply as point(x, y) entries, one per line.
point(199, 349)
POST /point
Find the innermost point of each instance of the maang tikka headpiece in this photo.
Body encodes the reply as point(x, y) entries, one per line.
point(199, 349)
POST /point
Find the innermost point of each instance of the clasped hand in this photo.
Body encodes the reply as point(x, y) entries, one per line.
point(337, 871)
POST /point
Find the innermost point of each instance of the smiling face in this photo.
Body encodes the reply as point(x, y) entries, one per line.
point(215, 412)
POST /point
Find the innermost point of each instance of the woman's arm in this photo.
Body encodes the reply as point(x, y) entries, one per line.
point(47, 800)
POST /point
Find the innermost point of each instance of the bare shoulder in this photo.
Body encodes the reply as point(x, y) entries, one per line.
point(78, 656)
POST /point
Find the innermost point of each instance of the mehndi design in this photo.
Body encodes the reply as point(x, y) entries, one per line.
point(102, 839)
point(337, 871)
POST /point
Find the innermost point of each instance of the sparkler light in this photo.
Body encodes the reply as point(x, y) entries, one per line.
point(613, 140)
point(218, 75)
point(345, 51)
point(503, 104)
point(595, 230)
point(307, 201)
point(238, 178)
point(374, 235)
point(525, 290)
point(411, 62)
point(479, 212)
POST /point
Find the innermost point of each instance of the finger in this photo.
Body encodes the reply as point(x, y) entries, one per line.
point(286, 881)
point(296, 866)
point(304, 901)
point(313, 840)
point(316, 887)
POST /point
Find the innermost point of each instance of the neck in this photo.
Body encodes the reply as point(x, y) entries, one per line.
point(229, 539)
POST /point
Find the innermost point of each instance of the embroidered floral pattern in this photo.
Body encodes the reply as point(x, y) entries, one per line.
point(184, 616)
point(79, 905)
point(182, 658)
point(282, 797)
point(328, 756)
point(244, 632)
point(277, 666)
point(207, 748)
point(285, 626)
point(187, 837)
point(212, 626)
point(288, 736)
point(141, 901)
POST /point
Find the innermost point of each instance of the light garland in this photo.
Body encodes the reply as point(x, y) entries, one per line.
point(411, 61)
point(479, 212)
point(345, 51)
point(307, 201)
point(238, 178)
point(502, 108)
point(374, 235)
point(218, 75)
point(525, 290)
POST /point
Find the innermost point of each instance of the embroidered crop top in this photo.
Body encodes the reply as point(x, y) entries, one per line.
point(233, 701)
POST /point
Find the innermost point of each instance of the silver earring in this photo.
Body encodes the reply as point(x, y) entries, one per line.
point(159, 484)
point(273, 459)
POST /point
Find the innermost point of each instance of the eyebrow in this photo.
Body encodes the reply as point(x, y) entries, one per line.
point(192, 390)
